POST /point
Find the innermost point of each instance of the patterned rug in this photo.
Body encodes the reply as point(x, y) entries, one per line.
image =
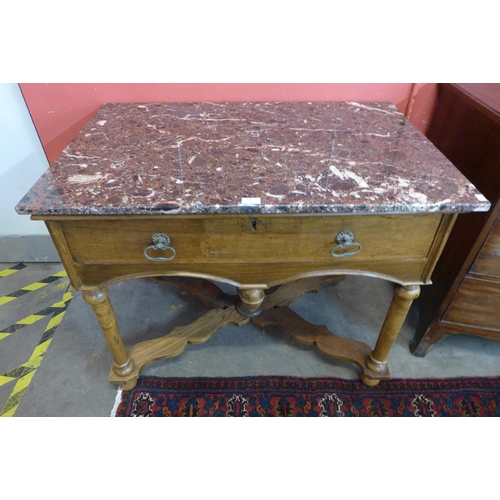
point(309, 397)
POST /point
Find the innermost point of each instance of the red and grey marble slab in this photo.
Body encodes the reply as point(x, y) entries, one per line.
point(192, 158)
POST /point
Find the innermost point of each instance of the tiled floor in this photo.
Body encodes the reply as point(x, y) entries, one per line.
point(52, 369)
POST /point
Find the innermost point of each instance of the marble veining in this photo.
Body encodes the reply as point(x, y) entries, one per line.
point(321, 157)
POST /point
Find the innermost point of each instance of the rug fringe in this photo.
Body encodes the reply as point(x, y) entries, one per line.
point(118, 398)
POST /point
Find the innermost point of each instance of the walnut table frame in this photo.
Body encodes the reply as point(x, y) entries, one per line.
point(258, 300)
point(273, 198)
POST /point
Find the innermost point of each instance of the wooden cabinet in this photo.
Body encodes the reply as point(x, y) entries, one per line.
point(487, 262)
point(465, 296)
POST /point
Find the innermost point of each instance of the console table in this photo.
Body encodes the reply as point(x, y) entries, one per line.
point(273, 198)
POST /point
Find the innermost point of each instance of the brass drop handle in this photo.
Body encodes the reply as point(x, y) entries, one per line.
point(161, 241)
point(345, 239)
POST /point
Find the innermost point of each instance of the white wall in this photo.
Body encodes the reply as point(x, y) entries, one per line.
point(22, 162)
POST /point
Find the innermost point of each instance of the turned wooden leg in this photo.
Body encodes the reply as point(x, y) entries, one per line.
point(400, 305)
point(251, 303)
point(99, 300)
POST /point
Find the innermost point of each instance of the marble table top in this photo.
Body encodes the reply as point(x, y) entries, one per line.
point(197, 158)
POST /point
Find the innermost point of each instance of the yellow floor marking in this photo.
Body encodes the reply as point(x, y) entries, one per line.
point(30, 319)
point(34, 362)
point(34, 286)
point(40, 349)
point(24, 373)
point(67, 296)
point(54, 321)
point(5, 380)
point(48, 311)
point(13, 269)
point(7, 272)
point(5, 300)
point(22, 384)
point(25, 368)
point(12, 403)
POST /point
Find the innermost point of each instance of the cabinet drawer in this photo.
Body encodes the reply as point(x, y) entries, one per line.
point(476, 304)
point(488, 260)
point(251, 238)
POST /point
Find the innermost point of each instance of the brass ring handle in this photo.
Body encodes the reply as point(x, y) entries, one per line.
point(345, 239)
point(160, 241)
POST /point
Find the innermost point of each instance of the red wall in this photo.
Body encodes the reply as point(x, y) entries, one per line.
point(60, 110)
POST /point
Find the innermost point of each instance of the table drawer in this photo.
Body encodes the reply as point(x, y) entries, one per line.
point(248, 238)
point(476, 304)
point(488, 260)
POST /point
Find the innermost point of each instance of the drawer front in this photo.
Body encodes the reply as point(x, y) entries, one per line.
point(476, 304)
point(488, 260)
point(247, 238)
point(247, 249)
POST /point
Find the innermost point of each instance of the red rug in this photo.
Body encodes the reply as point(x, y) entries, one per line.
point(309, 397)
